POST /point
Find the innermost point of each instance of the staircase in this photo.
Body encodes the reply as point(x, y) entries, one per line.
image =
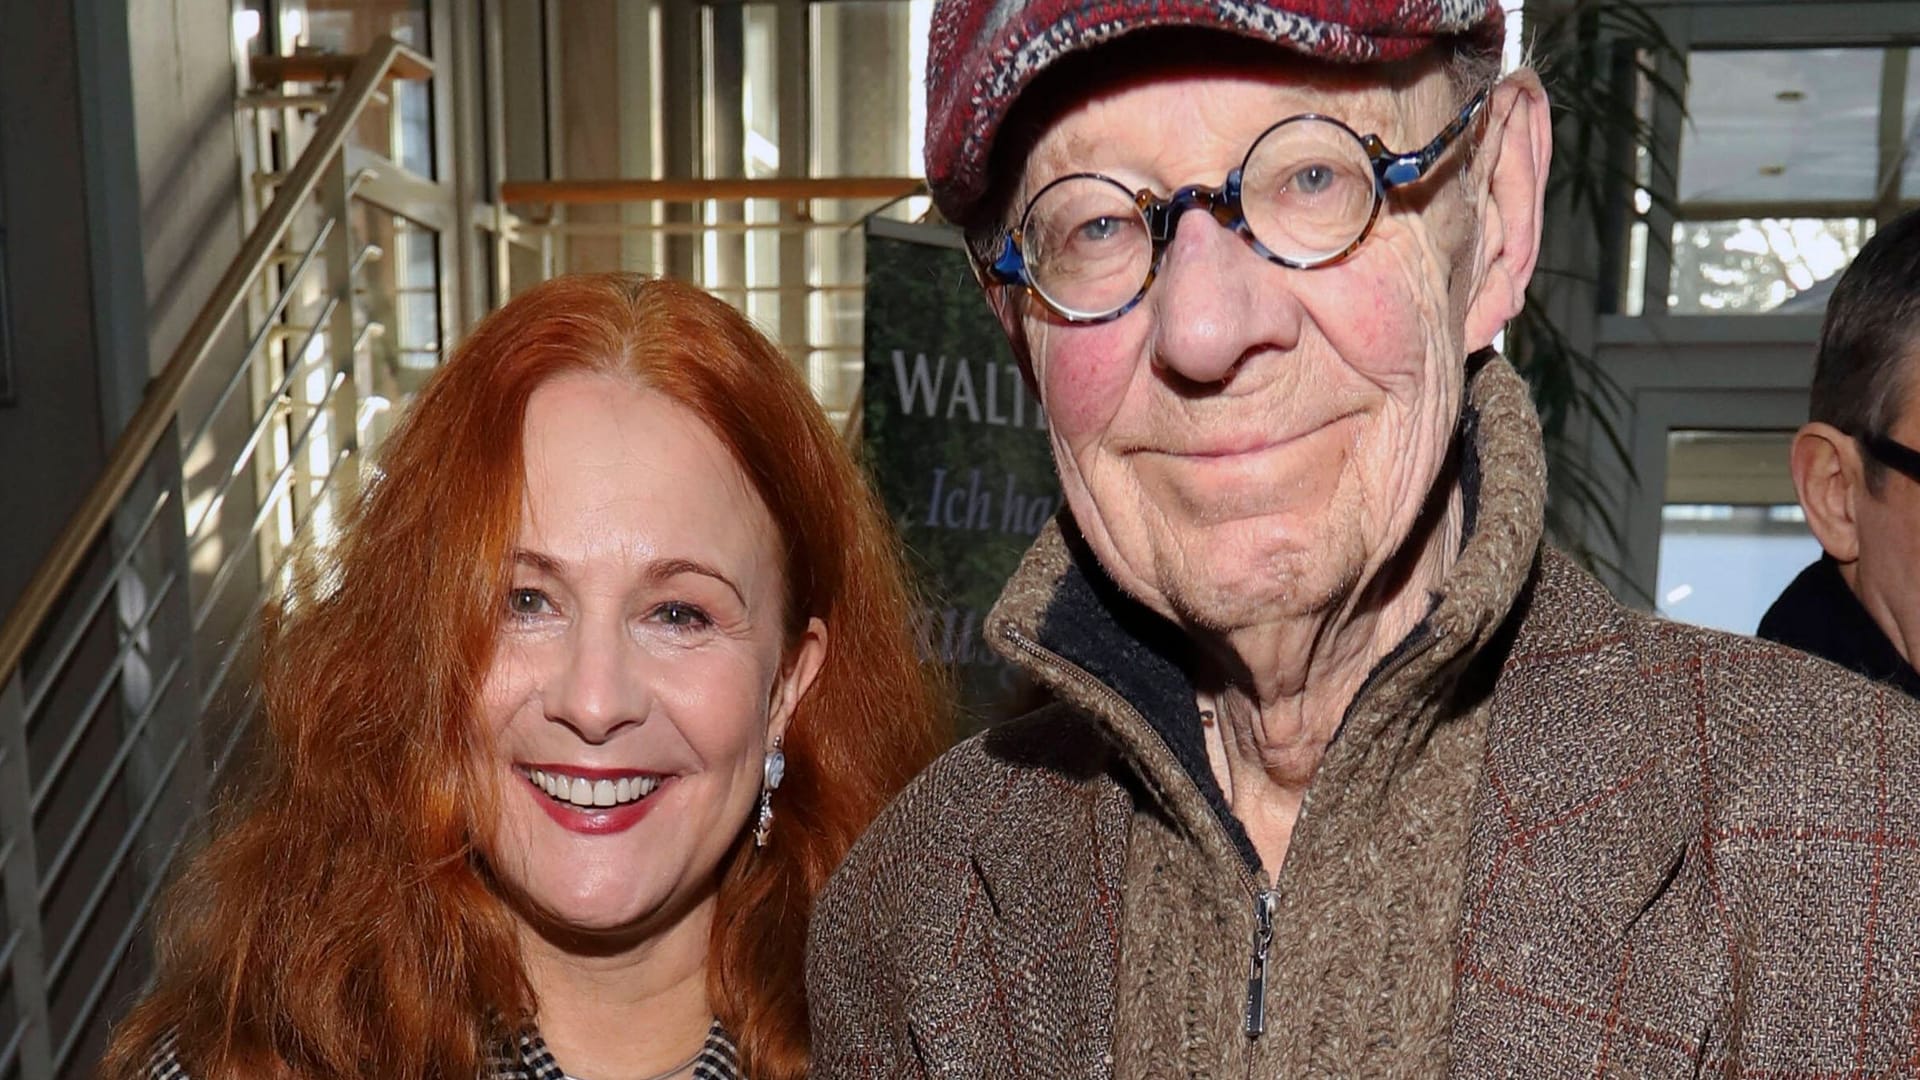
point(125, 668)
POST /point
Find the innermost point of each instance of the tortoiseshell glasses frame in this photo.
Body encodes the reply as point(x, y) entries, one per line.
point(1314, 184)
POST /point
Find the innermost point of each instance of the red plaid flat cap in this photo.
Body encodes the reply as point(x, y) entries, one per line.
point(983, 53)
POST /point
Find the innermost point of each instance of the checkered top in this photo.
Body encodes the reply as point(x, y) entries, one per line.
point(533, 1061)
point(527, 1059)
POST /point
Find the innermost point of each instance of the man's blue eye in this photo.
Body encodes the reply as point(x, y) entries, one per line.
point(1101, 228)
point(1313, 179)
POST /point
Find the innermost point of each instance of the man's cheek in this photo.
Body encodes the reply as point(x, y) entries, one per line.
point(1382, 319)
point(1082, 385)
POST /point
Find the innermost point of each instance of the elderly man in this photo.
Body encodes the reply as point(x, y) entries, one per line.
point(1346, 773)
point(1857, 470)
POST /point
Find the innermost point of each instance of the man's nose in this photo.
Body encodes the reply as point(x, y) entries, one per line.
point(1216, 301)
point(601, 685)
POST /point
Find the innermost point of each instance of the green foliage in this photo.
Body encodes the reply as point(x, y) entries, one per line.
point(1596, 57)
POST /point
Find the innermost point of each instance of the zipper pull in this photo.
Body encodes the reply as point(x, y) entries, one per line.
point(1256, 1014)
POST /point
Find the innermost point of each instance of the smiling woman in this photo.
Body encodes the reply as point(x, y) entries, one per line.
point(616, 582)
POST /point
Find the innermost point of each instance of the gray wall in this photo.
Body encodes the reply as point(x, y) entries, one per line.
point(119, 200)
point(188, 154)
point(50, 437)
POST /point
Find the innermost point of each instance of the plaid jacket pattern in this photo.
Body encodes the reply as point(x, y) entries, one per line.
point(1554, 837)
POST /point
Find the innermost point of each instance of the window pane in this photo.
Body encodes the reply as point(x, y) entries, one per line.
point(1722, 566)
point(761, 94)
point(403, 130)
point(400, 292)
point(1765, 265)
point(1781, 125)
point(867, 94)
point(353, 25)
point(1636, 285)
point(868, 111)
point(1731, 533)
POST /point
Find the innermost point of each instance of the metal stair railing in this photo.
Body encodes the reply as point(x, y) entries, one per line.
point(106, 624)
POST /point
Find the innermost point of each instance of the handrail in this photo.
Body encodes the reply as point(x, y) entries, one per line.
point(603, 192)
point(135, 446)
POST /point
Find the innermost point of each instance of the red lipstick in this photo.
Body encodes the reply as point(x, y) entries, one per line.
point(593, 820)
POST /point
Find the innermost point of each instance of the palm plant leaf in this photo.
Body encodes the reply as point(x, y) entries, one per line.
point(1596, 57)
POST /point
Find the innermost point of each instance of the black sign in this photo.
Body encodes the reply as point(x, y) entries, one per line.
point(956, 444)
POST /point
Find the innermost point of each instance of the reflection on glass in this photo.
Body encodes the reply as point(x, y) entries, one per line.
point(1731, 534)
point(869, 115)
point(353, 25)
point(1744, 468)
point(1636, 298)
point(1754, 266)
point(400, 294)
point(411, 143)
point(1781, 125)
point(801, 281)
point(1722, 566)
point(402, 130)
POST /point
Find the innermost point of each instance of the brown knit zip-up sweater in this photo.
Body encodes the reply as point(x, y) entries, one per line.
point(1552, 837)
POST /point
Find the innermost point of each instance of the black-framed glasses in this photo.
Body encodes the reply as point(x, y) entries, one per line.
point(1306, 195)
point(1892, 453)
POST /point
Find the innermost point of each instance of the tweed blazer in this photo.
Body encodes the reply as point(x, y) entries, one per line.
point(1552, 837)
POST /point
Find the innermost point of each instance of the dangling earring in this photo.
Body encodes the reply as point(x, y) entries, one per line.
point(772, 772)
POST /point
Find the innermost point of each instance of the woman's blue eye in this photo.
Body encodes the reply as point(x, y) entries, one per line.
point(681, 616)
point(527, 602)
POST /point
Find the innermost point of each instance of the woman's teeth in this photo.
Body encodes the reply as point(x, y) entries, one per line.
point(581, 791)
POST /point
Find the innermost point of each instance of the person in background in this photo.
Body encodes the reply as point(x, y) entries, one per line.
point(610, 667)
point(1856, 467)
point(1347, 772)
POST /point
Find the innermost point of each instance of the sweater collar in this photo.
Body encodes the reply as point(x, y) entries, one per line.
point(1063, 620)
point(1819, 614)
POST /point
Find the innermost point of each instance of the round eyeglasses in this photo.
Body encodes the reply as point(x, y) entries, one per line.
point(1306, 195)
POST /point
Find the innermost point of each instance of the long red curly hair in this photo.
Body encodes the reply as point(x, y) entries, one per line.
point(340, 923)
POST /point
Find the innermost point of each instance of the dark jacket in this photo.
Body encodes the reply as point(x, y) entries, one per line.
point(1818, 614)
point(1552, 837)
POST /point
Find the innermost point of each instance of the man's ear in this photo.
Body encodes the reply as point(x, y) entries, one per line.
point(1000, 302)
point(1514, 153)
point(1830, 478)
